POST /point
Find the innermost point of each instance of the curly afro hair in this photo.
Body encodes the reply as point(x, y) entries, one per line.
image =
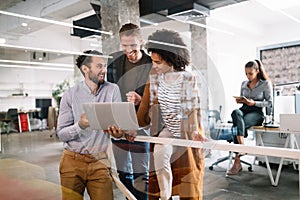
point(171, 48)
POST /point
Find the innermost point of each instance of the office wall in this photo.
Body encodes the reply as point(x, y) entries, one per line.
point(236, 41)
point(36, 82)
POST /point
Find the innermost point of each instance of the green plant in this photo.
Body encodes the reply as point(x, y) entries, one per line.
point(59, 90)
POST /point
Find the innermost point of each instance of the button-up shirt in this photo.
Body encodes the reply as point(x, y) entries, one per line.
point(262, 93)
point(84, 141)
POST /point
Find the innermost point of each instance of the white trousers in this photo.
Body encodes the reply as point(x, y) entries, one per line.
point(162, 163)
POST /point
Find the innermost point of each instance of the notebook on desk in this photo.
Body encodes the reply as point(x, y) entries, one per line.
point(103, 115)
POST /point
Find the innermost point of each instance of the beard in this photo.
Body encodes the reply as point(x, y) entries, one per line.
point(97, 79)
point(132, 56)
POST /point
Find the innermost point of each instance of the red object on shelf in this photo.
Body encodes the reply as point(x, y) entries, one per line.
point(23, 117)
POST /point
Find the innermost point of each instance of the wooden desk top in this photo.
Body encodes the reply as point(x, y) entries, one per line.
point(271, 130)
point(262, 128)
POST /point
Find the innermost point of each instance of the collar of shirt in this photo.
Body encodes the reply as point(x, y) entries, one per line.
point(259, 82)
point(86, 87)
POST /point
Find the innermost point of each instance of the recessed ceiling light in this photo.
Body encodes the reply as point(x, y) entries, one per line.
point(2, 40)
point(52, 50)
point(53, 22)
point(24, 24)
point(35, 67)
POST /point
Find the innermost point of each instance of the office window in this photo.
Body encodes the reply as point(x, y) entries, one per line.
point(282, 63)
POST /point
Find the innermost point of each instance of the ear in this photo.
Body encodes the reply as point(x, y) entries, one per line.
point(85, 69)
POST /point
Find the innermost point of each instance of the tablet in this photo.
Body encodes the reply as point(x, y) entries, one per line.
point(239, 97)
point(119, 114)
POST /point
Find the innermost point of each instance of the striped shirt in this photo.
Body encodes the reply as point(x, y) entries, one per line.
point(84, 141)
point(169, 98)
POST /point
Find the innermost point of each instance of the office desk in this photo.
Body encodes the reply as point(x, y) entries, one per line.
point(290, 141)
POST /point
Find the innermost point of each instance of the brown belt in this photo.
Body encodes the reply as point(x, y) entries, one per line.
point(86, 157)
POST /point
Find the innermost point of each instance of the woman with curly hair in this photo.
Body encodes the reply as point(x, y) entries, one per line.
point(171, 98)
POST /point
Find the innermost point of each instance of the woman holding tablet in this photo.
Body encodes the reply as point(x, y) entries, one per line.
point(256, 93)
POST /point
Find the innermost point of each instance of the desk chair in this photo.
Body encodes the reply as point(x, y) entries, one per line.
point(10, 120)
point(223, 131)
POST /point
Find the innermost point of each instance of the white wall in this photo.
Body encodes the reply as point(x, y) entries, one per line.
point(38, 82)
point(250, 26)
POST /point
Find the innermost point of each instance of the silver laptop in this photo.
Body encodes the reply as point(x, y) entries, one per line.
point(103, 115)
point(290, 123)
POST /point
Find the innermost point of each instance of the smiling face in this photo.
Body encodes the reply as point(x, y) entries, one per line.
point(96, 70)
point(160, 65)
point(251, 73)
point(131, 46)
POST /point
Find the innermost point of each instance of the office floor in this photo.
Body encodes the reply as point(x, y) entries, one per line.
point(29, 170)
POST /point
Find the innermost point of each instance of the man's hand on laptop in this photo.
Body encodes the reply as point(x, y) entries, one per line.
point(83, 122)
point(117, 133)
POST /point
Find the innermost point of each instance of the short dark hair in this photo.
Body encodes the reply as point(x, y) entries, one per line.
point(130, 29)
point(171, 48)
point(86, 59)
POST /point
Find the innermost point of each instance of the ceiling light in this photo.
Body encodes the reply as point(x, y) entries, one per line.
point(146, 21)
point(188, 12)
point(2, 40)
point(34, 67)
point(167, 44)
point(52, 22)
point(24, 24)
point(94, 45)
point(203, 26)
point(38, 63)
point(53, 51)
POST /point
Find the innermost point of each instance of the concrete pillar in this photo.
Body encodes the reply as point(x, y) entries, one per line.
point(113, 15)
point(200, 59)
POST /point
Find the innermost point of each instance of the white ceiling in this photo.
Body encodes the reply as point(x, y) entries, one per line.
point(254, 16)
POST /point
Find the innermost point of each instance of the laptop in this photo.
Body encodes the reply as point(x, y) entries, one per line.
point(290, 123)
point(119, 114)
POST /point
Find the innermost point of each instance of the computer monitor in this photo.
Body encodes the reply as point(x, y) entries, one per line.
point(283, 105)
point(297, 103)
point(43, 104)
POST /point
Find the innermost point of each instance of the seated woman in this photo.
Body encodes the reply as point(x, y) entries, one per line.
point(175, 91)
point(256, 93)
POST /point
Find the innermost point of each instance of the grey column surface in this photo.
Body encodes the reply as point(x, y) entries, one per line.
point(199, 59)
point(114, 14)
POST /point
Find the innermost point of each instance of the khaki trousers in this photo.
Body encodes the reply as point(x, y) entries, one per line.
point(80, 171)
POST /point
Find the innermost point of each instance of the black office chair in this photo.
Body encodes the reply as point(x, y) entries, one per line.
point(10, 122)
point(222, 133)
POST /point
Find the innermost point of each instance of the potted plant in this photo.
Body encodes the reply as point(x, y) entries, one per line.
point(59, 90)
